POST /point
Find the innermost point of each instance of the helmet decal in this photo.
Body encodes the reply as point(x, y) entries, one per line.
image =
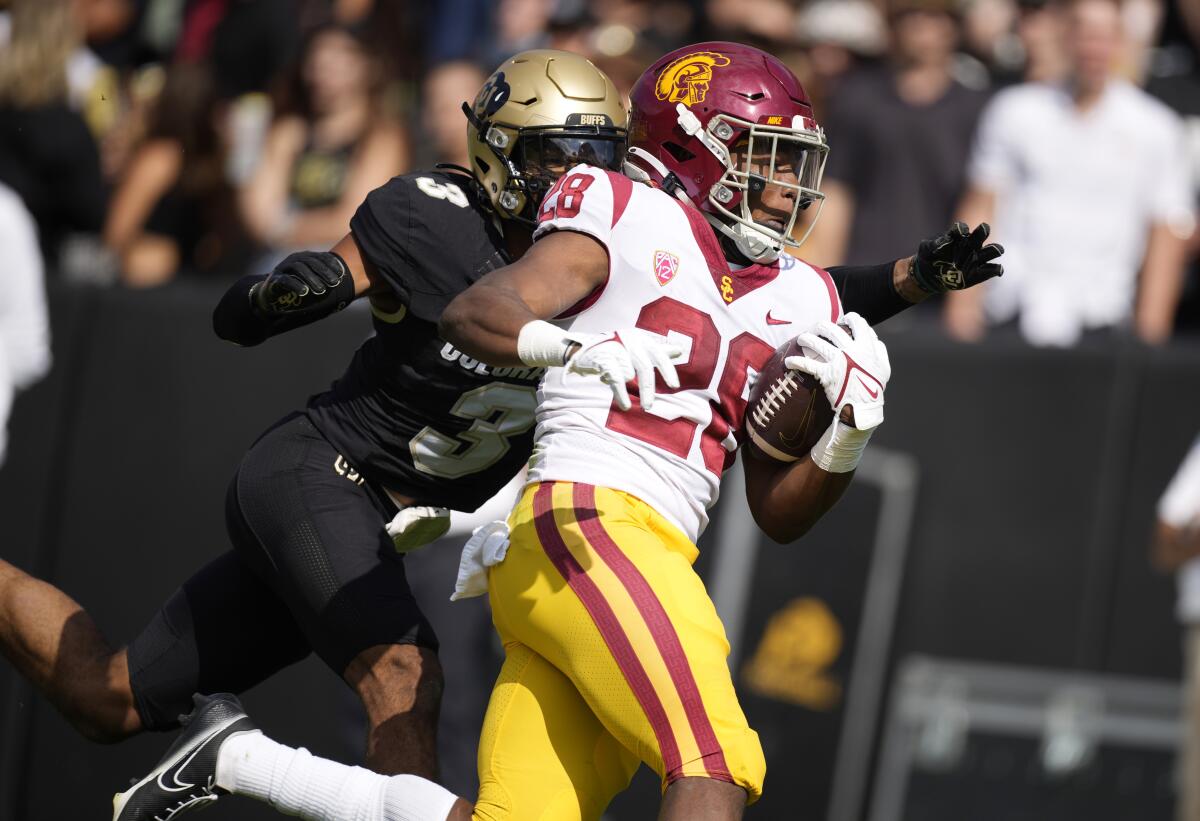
point(492, 96)
point(717, 123)
point(686, 80)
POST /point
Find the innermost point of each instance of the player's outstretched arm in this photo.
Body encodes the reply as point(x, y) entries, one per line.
point(305, 287)
point(485, 321)
point(954, 260)
point(851, 364)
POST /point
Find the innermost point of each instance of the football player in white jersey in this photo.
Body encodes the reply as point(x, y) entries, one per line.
point(653, 298)
point(608, 630)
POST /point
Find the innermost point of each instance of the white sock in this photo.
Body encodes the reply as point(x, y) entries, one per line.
point(296, 782)
point(412, 798)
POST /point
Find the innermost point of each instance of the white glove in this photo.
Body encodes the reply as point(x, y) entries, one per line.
point(627, 354)
point(852, 366)
point(415, 527)
point(487, 546)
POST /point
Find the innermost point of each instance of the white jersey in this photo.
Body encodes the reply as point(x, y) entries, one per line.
point(667, 275)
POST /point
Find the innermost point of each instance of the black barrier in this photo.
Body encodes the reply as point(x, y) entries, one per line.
point(1038, 475)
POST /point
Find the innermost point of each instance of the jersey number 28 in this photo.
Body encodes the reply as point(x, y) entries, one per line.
point(566, 197)
point(675, 435)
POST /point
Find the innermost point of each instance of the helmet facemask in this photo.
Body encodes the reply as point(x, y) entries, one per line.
point(542, 155)
point(534, 157)
point(791, 158)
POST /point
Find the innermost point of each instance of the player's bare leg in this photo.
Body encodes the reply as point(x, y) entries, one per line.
point(401, 688)
point(54, 643)
point(702, 799)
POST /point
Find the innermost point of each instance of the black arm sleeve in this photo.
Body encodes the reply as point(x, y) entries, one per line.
point(868, 290)
point(236, 320)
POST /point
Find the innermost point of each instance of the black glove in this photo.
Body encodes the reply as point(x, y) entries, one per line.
point(304, 281)
point(956, 259)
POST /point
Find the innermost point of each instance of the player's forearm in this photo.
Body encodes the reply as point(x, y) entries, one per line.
point(485, 322)
point(235, 318)
point(877, 292)
point(305, 287)
point(787, 499)
point(238, 320)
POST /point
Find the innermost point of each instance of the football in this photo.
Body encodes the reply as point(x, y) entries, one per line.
point(788, 410)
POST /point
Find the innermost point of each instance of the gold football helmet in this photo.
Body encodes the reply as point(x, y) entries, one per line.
point(540, 113)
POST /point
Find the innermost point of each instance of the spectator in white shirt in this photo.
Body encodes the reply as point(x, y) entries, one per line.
point(1177, 549)
point(24, 325)
point(1086, 184)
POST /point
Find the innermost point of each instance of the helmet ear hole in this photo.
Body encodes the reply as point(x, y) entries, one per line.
point(483, 165)
point(677, 151)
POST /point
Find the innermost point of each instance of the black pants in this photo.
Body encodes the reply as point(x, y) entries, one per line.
point(312, 569)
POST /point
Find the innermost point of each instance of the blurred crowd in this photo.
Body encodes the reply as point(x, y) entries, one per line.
point(157, 139)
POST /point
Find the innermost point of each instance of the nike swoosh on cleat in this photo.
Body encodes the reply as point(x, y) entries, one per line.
point(178, 768)
point(773, 321)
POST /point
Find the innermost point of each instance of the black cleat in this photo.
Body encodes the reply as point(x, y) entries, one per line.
point(185, 778)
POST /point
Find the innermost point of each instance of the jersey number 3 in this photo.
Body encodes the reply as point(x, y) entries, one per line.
point(675, 435)
point(497, 412)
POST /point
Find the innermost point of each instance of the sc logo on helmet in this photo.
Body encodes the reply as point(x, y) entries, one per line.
point(686, 79)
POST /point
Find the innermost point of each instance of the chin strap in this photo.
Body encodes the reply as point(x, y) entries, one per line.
point(667, 180)
point(748, 242)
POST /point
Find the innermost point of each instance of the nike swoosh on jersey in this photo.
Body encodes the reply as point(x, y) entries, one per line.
point(773, 321)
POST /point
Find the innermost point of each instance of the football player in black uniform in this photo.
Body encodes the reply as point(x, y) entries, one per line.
point(324, 503)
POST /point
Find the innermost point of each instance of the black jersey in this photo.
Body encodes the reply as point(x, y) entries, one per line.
point(411, 412)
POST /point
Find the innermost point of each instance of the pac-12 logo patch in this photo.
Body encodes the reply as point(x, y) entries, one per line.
point(666, 266)
point(686, 80)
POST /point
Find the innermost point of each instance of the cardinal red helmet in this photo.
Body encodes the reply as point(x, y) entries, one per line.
point(693, 107)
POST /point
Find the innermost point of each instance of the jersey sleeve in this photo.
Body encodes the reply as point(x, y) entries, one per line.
point(424, 236)
point(380, 226)
point(582, 200)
